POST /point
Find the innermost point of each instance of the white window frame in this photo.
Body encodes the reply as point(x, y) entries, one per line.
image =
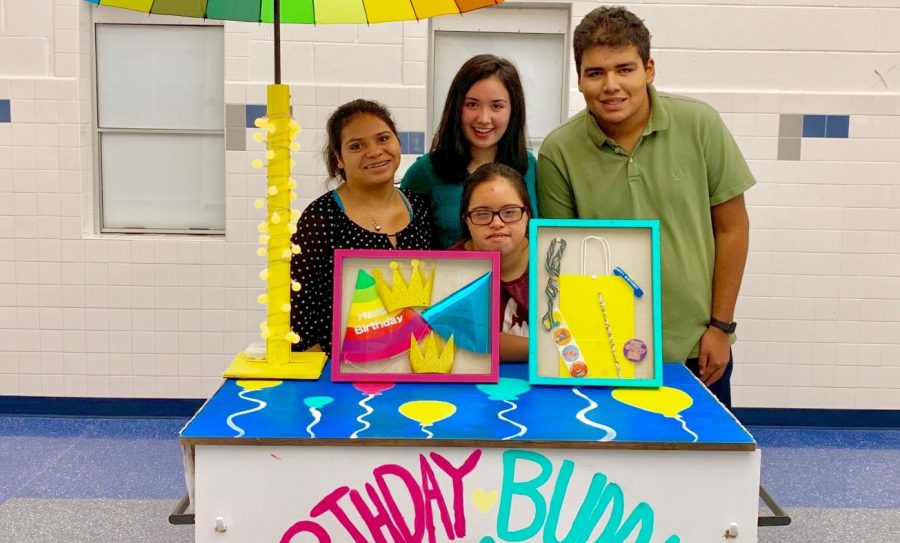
point(504, 18)
point(123, 18)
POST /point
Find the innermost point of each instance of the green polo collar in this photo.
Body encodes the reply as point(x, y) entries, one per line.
point(659, 120)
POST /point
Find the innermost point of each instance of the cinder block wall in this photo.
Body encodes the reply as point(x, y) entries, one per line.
point(809, 92)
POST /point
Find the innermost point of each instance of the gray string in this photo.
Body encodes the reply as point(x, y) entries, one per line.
point(552, 266)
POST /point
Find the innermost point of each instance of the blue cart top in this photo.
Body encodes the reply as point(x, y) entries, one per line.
point(511, 413)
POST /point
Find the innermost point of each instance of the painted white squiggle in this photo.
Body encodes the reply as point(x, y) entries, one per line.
point(686, 429)
point(230, 420)
point(427, 432)
point(317, 416)
point(362, 418)
point(522, 429)
point(610, 432)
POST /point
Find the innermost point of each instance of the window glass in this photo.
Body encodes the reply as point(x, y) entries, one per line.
point(160, 123)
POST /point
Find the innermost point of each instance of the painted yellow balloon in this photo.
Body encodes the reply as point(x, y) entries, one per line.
point(427, 412)
point(254, 384)
point(665, 401)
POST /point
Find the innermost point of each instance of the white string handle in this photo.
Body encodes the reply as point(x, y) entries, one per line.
point(606, 252)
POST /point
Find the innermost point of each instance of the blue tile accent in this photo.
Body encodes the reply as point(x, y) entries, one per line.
point(254, 111)
point(4, 111)
point(814, 126)
point(837, 126)
point(404, 142)
point(416, 143)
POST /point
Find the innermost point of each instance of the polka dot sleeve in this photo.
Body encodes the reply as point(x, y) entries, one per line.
point(322, 228)
point(311, 306)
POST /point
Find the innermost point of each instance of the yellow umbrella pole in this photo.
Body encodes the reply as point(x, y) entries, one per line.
point(279, 221)
point(275, 235)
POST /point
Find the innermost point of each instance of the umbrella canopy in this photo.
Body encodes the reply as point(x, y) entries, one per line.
point(280, 131)
point(304, 11)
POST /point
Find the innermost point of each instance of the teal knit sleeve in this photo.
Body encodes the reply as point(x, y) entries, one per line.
point(531, 184)
point(417, 178)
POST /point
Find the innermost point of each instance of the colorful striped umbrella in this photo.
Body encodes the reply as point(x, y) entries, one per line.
point(280, 129)
point(302, 11)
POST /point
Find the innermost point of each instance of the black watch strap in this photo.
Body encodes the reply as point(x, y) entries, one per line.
point(727, 327)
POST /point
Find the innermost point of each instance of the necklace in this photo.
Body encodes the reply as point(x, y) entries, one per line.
point(609, 334)
point(376, 219)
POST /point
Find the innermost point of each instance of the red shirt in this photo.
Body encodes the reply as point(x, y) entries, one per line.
point(513, 301)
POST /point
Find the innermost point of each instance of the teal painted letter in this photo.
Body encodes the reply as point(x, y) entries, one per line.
point(588, 512)
point(615, 532)
point(528, 489)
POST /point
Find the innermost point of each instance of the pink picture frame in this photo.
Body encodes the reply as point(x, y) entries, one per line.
point(376, 320)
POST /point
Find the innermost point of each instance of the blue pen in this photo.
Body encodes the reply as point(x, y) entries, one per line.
point(638, 291)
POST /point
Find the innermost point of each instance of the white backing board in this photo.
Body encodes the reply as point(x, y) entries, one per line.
point(271, 493)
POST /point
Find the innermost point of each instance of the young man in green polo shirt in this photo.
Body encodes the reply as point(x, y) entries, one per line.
point(635, 153)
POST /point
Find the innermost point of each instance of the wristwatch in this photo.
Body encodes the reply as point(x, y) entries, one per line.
point(727, 327)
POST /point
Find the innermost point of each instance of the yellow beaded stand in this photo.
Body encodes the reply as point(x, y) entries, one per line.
point(275, 239)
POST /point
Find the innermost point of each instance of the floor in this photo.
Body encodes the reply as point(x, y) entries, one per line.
point(79, 480)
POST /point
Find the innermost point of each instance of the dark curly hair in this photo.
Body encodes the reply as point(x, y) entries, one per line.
point(610, 26)
point(339, 119)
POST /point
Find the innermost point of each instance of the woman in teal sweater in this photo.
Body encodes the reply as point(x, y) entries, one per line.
point(483, 122)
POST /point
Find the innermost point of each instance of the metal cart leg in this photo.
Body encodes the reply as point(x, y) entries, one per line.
point(180, 514)
point(778, 518)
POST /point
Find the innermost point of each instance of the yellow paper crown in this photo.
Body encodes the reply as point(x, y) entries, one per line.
point(427, 359)
point(416, 293)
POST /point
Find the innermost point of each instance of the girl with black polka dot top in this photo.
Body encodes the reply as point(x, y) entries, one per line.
point(366, 211)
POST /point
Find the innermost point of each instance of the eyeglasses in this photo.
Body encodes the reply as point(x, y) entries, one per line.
point(483, 217)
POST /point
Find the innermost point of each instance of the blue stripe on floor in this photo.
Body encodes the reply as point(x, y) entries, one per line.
point(818, 418)
point(831, 468)
point(90, 458)
point(99, 407)
point(124, 458)
point(827, 438)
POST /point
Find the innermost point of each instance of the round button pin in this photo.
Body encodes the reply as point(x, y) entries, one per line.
point(578, 369)
point(571, 353)
point(635, 350)
point(562, 336)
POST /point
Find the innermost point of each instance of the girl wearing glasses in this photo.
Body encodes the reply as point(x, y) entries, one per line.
point(493, 216)
point(483, 121)
point(366, 211)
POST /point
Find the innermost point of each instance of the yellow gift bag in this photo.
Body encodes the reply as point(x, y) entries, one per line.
point(599, 311)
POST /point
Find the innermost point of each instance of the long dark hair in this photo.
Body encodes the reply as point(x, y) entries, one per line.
point(489, 172)
point(450, 153)
point(339, 119)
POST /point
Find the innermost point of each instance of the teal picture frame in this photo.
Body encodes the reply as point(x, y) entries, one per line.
point(632, 246)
